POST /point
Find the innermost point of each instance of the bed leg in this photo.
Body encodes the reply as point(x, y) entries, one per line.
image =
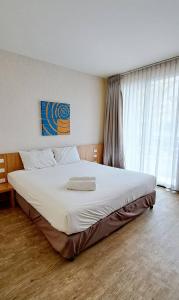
point(71, 258)
point(151, 206)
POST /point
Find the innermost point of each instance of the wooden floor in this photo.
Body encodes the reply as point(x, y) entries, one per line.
point(140, 261)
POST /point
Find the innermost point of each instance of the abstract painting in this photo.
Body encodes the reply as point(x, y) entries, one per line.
point(55, 118)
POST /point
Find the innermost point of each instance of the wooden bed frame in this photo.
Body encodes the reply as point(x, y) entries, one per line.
point(13, 162)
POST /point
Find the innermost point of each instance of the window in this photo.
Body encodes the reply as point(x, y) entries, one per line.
point(151, 121)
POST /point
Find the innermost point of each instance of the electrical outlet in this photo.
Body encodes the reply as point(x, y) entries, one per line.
point(2, 170)
point(2, 180)
point(1, 160)
point(95, 155)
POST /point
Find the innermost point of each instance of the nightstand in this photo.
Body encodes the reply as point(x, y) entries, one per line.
point(7, 187)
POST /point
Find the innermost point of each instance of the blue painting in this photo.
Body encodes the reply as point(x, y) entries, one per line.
point(55, 118)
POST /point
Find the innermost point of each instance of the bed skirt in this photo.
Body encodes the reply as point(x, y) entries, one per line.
point(70, 246)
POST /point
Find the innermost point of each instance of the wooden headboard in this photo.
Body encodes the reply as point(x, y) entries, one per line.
point(12, 161)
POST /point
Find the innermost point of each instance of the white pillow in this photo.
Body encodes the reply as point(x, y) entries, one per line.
point(37, 159)
point(66, 155)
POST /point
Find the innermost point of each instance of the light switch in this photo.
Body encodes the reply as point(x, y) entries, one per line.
point(1, 160)
point(2, 170)
point(95, 150)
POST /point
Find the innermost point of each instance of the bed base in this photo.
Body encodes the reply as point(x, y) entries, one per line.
point(70, 246)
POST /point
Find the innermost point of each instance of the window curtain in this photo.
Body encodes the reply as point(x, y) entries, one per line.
point(113, 129)
point(151, 121)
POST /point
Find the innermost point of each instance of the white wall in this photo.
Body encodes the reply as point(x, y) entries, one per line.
point(23, 81)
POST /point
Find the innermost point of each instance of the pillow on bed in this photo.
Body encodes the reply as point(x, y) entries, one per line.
point(66, 155)
point(37, 159)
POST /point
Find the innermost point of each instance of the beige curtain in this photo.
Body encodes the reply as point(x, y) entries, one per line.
point(113, 129)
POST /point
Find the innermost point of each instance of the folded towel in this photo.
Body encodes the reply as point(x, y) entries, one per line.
point(83, 185)
point(84, 178)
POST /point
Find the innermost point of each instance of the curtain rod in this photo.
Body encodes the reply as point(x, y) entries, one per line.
point(150, 65)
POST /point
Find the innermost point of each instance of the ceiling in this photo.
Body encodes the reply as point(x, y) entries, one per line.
point(99, 37)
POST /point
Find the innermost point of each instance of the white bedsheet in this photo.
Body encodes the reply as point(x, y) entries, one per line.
point(75, 211)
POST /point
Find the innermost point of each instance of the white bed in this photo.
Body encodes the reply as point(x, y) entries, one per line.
point(75, 211)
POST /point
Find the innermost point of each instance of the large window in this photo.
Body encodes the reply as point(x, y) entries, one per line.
point(151, 121)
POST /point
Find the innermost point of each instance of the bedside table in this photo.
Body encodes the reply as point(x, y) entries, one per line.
point(7, 187)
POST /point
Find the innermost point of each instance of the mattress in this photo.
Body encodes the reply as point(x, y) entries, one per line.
point(75, 211)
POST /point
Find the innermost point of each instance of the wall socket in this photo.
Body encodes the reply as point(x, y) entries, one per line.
point(1, 160)
point(2, 180)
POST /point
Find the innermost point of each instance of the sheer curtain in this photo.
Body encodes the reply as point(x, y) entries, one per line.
point(151, 121)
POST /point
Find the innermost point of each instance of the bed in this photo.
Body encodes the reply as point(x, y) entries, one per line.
point(72, 221)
